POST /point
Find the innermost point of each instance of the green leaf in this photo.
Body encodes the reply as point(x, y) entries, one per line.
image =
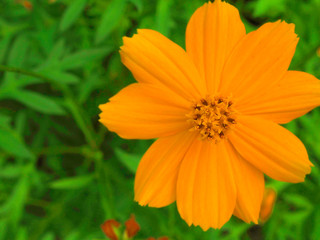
point(17, 57)
point(72, 182)
point(163, 18)
point(138, 4)
point(18, 52)
point(4, 228)
point(110, 19)
point(11, 171)
point(87, 87)
point(72, 13)
point(11, 143)
point(129, 160)
point(55, 75)
point(83, 57)
point(4, 43)
point(14, 206)
point(316, 229)
point(292, 218)
point(22, 234)
point(298, 200)
point(4, 120)
point(57, 51)
point(36, 101)
point(48, 236)
point(61, 77)
point(75, 235)
point(269, 8)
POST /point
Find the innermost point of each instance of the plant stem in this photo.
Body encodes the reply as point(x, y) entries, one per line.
point(25, 72)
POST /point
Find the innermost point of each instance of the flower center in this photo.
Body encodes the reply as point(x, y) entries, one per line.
point(212, 117)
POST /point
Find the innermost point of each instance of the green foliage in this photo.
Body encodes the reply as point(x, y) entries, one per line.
point(110, 18)
point(130, 161)
point(12, 143)
point(72, 13)
point(62, 173)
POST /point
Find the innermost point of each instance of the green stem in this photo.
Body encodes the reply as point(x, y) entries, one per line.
point(84, 125)
point(24, 72)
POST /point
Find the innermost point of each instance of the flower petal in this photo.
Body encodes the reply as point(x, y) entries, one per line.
point(259, 61)
point(212, 32)
point(153, 58)
point(295, 95)
point(206, 191)
point(271, 148)
point(250, 187)
point(132, 227)
point(156, 177)
point(267, 205)
point(143, 111)
point(108, 228)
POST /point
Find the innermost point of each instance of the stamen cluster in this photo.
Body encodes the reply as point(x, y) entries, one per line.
point(212, 117)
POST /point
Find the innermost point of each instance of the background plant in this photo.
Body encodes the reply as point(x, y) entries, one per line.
point(61, 173)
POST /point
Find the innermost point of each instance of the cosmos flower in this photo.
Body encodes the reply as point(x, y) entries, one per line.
point(215, 110)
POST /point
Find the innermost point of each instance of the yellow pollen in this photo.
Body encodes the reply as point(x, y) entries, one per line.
point(212, 117)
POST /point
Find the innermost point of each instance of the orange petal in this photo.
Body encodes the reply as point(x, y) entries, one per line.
point(250, 187)
point(143, 111)
point(259, 61)
point(269, 199)
point(212, 32)
point(132, 227)
point(271, 148)
point(206, 191)
point(153, 58)
point(156, 177)
point(108, 228)
point(295, 95)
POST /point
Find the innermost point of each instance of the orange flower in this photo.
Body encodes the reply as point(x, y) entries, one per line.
point(269, 199)
point(26, 4)
point(215, 109)
point(132, 227)
point(109, 226)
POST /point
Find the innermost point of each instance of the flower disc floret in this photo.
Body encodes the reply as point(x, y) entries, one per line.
point(212, 117)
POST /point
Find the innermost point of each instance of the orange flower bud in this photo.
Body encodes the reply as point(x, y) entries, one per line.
point(132, 227)
point(27, 5)
point(318, 51)
point(267, 205)
point(108, 229)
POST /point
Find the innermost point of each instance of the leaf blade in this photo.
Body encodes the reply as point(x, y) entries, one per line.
point(71, 14)
point(110, 19)
point(36, 101)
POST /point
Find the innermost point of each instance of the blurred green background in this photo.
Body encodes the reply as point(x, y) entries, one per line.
point(62, 173)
